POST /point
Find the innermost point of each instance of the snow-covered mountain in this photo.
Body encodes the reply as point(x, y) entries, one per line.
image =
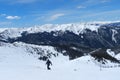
point(18, 62)
point(76, 28)
point(76, 39)
point(76, 50)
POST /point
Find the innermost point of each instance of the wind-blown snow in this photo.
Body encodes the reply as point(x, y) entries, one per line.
point(17, 64)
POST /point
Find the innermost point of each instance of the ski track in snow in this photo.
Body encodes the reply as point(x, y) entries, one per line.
point(17, 64)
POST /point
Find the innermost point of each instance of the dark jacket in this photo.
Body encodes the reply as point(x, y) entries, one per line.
point(49, 62)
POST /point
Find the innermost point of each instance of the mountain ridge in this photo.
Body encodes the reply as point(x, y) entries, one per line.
point(76, 39)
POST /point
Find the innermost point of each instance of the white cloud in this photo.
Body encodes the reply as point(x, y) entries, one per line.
point(55, 16)
point(80, 7)
point(12, 17)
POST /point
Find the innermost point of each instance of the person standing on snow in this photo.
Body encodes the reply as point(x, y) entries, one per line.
point(48, 63)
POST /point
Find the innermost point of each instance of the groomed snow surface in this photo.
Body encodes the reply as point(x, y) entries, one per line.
point(17, 64)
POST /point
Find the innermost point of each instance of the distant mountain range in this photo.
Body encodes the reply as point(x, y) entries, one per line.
point(76, 39)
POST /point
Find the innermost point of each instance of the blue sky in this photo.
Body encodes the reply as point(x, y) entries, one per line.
point(23, 13)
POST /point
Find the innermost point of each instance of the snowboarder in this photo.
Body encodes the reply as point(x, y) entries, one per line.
point(48, 63)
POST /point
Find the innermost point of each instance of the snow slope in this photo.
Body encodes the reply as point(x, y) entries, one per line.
point(11, 32)
point(118, 56)
point(112, 53)
point(18, 64)
point(3, 29)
